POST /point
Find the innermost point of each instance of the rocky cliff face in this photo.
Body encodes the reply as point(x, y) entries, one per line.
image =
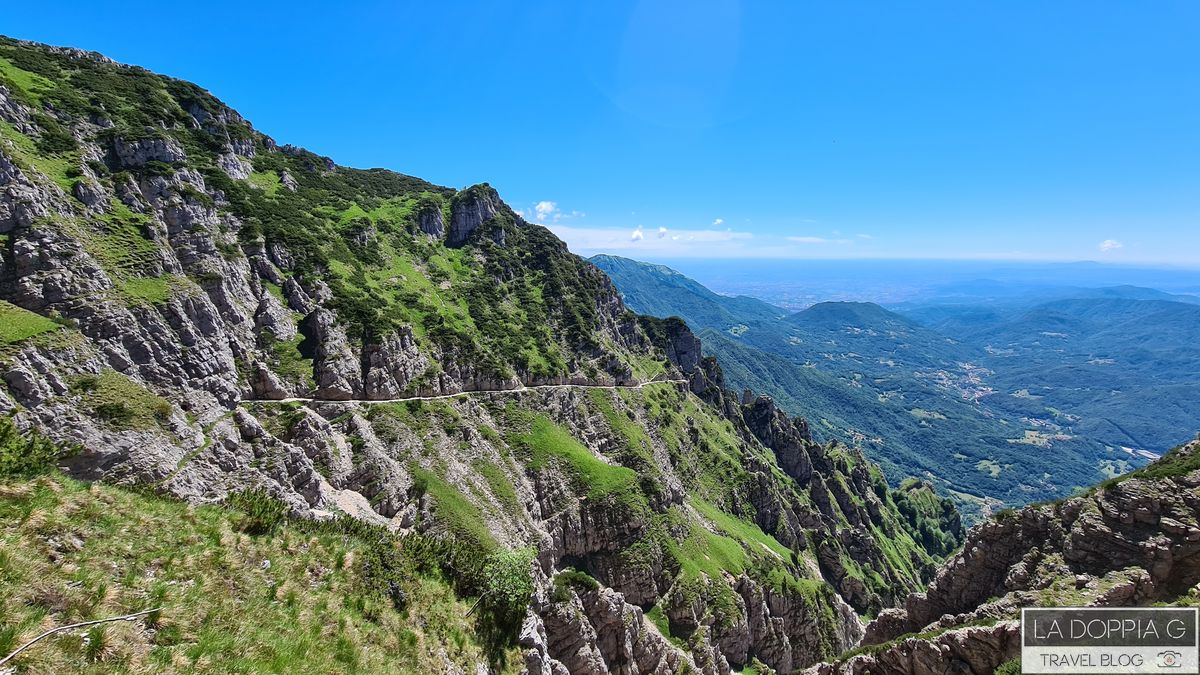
point(1132, 541)
point(171, 276)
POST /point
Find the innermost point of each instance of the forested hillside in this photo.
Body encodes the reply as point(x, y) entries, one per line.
point(1005, 402)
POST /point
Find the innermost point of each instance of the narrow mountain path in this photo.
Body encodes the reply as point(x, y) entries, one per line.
point(187, 458)
point(515, 390)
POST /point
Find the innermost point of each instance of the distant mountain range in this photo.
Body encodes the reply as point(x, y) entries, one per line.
point(1117, 364)
point(1001, 402)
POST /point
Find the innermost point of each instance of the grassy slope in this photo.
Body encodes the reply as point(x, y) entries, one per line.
point(18, 324)
point(72, 552)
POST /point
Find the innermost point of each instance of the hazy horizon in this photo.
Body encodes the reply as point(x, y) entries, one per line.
point(794, 284)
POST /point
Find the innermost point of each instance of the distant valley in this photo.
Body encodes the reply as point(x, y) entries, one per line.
point(999, 402)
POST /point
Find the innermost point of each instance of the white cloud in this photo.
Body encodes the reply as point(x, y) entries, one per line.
point(819, 240)
point(545, 209)
point(1110, 245)
point(651, 242)
point(718, 221)
point(864, 236)
point(685, 243)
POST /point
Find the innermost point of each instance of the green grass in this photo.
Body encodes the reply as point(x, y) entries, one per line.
point(535, 322)
point(275, 290)
point(1178, 462)
point(927, 635)
point(354, 212)
point(741, 547)
point(290, 363)
point(717, 467)
point(25, 153)
point(637, 450)
point(117, 552)
point(658, 617)
point(740, 529)
point(646, 366)
point(17, 324)
point(120, 402)
point(549, 443)
point(499, 484)
point(119, 242)
point(572, 579)
point(708, 553)
point(394, 210)
point(267, 181)
point(1012, 667)
point(32, 84)
point(457, 514)
point(152, 290)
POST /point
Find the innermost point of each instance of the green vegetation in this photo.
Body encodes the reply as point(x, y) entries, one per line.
point(455, 512)
point(508, 301)
point(360, 228)
point(507, 588)
point(267, 181)
point(31, 84)
point(569, 579)
point(755, 667)
point(152, 290)
point(121, 402)
point(636, 451)
point(741, 530)
point(707, 553)
point(930, 519)
point(327, 601)
point(1012, 667)
point(261, 513)
point(288, 361)
point(499, 484)
point(121, 242)
point(30, 154)
point(717, 467)
point(658, 617)
point(1180, 461)
point(26, 454)
point(546, 442)
point(17, 324)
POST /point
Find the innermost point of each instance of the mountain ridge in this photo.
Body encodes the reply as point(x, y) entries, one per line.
point(177, 276)
point(1130, 541)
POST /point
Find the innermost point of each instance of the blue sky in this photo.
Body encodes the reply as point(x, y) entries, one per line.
point(716, 128)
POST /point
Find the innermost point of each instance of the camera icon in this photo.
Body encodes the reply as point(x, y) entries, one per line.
point(1169, 660)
